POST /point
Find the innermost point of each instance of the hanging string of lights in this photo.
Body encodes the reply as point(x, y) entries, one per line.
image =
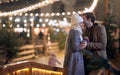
point(7, 1)
point(29, 8)
point(45, 3)
point(47, 15)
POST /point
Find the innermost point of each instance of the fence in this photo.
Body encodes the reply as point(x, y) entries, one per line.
point(30, 68)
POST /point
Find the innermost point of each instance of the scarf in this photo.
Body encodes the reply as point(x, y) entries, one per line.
point(75, 27)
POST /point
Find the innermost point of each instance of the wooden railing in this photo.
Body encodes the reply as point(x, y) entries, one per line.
point(30, 68)
point(25, 52)
point(30, 51)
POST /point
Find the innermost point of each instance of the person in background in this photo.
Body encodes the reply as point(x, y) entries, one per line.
point(73, 61)
point(53, 60)
point(97, 37)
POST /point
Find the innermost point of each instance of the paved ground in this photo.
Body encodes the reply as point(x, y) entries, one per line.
point(44, 58)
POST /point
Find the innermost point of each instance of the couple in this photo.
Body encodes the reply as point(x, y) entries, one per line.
point(74, 61)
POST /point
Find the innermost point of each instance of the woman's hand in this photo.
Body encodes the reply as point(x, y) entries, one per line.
point(83, 44)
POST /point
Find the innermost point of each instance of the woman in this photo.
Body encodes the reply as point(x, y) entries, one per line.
point(73, 62)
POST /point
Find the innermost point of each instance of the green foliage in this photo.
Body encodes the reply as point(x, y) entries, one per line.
point(59, 37)
point(62, 39)
point(9, 42)
point(94, 62)
point(110, 28)
point(53, 35)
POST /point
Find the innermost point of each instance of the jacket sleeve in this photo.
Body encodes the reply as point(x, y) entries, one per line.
point(101, 42)
point(75, 40)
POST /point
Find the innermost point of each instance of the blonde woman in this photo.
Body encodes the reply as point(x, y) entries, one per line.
point(74, 62)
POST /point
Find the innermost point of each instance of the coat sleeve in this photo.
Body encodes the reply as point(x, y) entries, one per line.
point(100, 43)
point(75, 40)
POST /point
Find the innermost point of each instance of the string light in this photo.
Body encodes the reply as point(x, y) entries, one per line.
point(7, 1)
point(44, 3)
point(29, 8)
point(51, 22)
point(4, 25)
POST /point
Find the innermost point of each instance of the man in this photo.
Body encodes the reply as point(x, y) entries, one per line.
point(97, 36)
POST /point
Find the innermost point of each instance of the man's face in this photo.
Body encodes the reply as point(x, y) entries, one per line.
point(87, 22)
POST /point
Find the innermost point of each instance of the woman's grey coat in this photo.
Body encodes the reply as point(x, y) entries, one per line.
point(73, 62)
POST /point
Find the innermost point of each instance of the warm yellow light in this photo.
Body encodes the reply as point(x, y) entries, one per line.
point(92, 7)
point(8, 74)
point(26, 69)
point(63, 13)
point(34, 70)
point(47, 71)
point(29, 8)
point(36, 31)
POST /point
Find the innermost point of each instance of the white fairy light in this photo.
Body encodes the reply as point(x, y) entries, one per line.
point(31, 24)
point(58, 14)
point(36, 14)
point(42, 14)
point(47, 14)
point(38, 25)
point(57, 30)
point(65, 19)
point(46, 20)
point(31, 19)
point(25, 21)
point(43, 25)
point(17, 20)
point(28, 34)
point(18, 25)
point(52, 14)
point(68, 13)
point(4, 25)
point(20, 14)
point(31, 14)
point(63, 13)
point(29, 8)
point(25, 25)
point(15, 14)
point(40, 20)
point(73, 12)
point(56, 24)
point(79, 12)
point(28, 30)
point(55, 21)
point(11, 25)
point(10, 18)
point(92, 7)
point(26, 14)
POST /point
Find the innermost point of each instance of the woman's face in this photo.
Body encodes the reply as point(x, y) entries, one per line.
point(82, 25)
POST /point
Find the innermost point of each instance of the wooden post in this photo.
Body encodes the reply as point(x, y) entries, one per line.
point(0, 23)
point(44, 41)
point(32, 29)
point(30, 68)
point(106, 8)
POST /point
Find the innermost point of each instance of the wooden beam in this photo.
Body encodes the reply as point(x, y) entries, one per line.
point(106, 8)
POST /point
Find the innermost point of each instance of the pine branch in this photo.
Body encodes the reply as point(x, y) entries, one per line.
point(96, 62)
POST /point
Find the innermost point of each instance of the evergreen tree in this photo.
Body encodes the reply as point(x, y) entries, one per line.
point(110, 28)
point(9, 43)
